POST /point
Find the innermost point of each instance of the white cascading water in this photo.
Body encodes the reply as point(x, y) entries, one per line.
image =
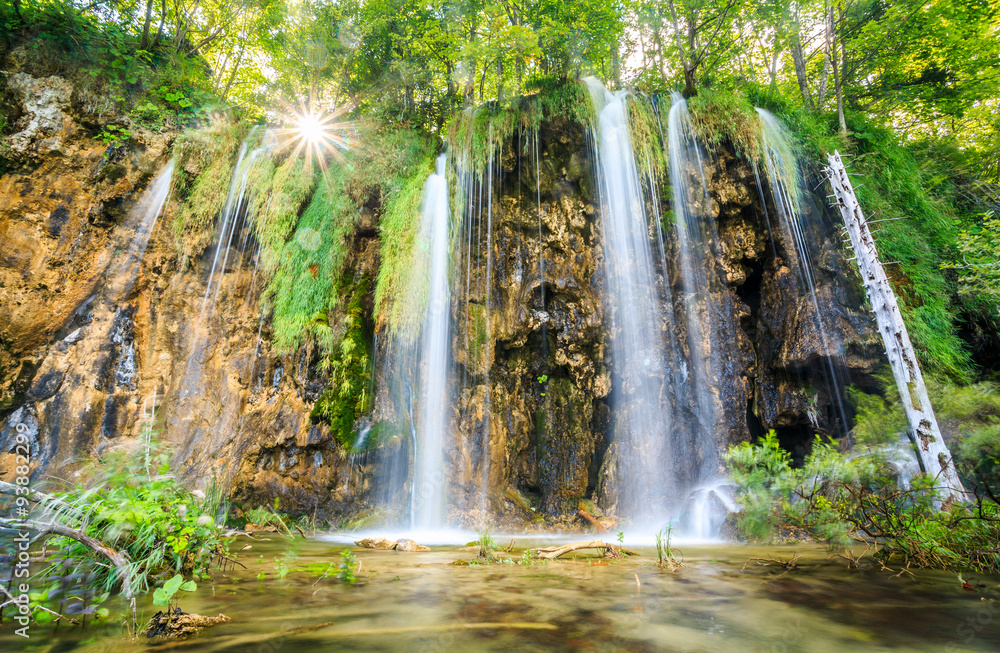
point(233, 218)
point(788, 191)
point(123, 271)
point(709, 497)
point(644, 490)
point(427, 496)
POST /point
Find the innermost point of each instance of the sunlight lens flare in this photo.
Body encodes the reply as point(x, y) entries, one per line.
point(311, 129)
point(318, 135)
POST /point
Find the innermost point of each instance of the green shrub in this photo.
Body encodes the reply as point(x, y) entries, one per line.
point(839, 500)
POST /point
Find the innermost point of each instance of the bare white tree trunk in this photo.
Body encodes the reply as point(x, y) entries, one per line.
point(935, 458)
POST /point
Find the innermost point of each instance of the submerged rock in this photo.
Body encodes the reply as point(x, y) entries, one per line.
point(382, 544)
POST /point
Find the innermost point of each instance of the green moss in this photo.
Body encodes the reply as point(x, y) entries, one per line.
point(309, 270)
point(204, 161)
point(278, 194)
point(384, 433)
point(720, 116)
point(647, 138)
point(477, 335)
point(398, 300)
point(347, 394)
point(309, 266)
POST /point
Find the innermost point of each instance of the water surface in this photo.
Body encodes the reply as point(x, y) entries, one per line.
point(424, 602)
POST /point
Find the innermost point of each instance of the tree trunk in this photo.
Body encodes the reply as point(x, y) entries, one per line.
point(800, 63)
point(682, 53)
point(836, 78)
point(232, 75)
point(499, 77)
point(470, 80)
point(689, 89)
point(935, 459)
point(145, 25)
point(163, 18)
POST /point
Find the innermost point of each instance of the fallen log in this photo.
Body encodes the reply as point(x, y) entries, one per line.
point(117, 558)
point(608, 550)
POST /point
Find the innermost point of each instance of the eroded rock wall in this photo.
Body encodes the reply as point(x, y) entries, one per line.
point(533, 397)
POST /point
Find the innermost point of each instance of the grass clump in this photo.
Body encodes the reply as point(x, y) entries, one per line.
point(302, 289)
point(647, 138)
point(279, 192)
point(477, 134)
point(399, 302)
point(309, 267)
point(203, 170)
point(726, 116)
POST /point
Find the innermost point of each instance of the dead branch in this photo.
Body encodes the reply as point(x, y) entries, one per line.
point(116, 558)
point(607, 549)
point(590, 518)
point(787, 565)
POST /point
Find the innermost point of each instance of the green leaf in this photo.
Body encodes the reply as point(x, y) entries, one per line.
point(189, 586)
point(42, 617)
point(160, 597)
point(171, 585)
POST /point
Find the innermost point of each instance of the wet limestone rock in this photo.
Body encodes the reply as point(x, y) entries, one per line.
point(377, 543)
point(565, 446)
point(45, 122)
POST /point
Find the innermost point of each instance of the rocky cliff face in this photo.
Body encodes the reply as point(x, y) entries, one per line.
point(85, 370)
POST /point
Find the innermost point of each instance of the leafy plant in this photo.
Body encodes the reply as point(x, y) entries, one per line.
point(130, 501)
point(165, 596)
point(113, 135)
point(841, 500)
point(348, 567)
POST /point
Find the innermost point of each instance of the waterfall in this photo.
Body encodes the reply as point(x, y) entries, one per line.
point(708, 499)
point(142, 220)
point(635, 303)
point(427, 495)
point(788, 194)
point(233, 218)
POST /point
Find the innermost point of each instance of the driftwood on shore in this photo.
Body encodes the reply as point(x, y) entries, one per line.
point(607, 550)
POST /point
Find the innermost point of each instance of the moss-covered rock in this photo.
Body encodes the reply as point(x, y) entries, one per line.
point(565, 445)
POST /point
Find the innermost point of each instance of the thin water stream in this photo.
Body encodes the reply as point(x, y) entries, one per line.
point(423, 602)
